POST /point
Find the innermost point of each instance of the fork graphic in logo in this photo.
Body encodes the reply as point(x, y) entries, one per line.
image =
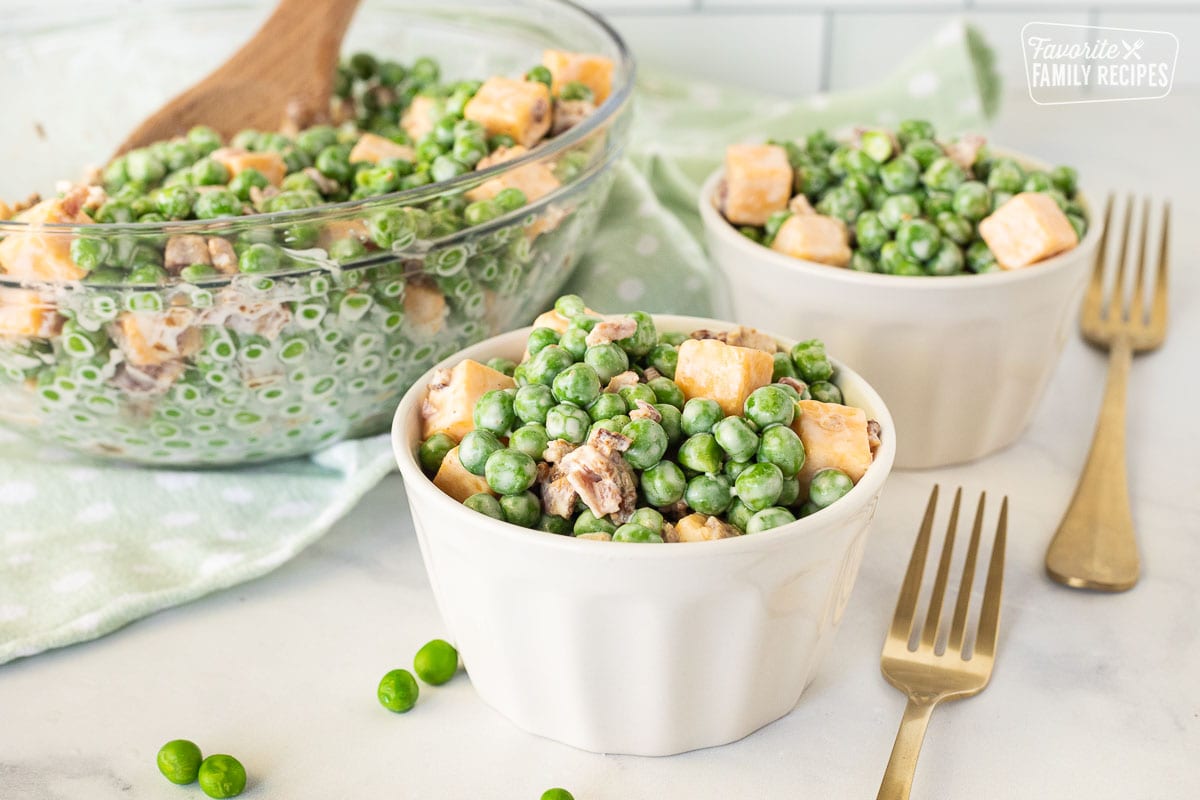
point(1131, 50)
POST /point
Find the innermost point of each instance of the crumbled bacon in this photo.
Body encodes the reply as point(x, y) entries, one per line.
point(874, 432)
point(964, 151)
point(569, 113)
point(600, 476)
point(645, 411)
point(611, 330)
point(797, 384)
point(222, 255)
point(183, 251)
point(622, 381)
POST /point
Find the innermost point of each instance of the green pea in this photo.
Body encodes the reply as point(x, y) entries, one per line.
point(1078, 223)
point(469, 150)
point(631, 532)
point(666, 391)
point(972, 201)
point(114, 211)
point(576, 90)
point(246, 180)
point(649, 444)
point(663, 484)
point(217, 203)
point(577, 384)
point(664, 358)
point(812, 180)
point(648, 518)
point(733, 468)
point(759, 486)
point(828, 486)
point(510, 471)
point(146, 275)
point(937, 202)
point(877, 144)
point(436, 662)
point(89, 252)
point(433, 450)
point(901, 174)
point(1037, 181)
point(574, 341)
point(774, 223)
point(808, 508)
point(700, 414)
point(643, 338)
point(841, 202)
point(999, 199)
point(476, 448)
point(783, 367)
point(209, 172)
point(615, 424)
point(861, 262)
point(1065, 179)
point(315, 139)
point(954, 227)
point(485, 504)
point(943, 174)
point(948, 260)
point(398, 690)
point(673, 338)
point(547, 364)
point(769, 405)
point(672, 422)
point(639, 391)
point(791, 391)
point(769, 518)
point(811, 361)
point(701, 453)
point(222, 776)
point(530, 439)
point(557, 794)
point(540, 338)
point(588, 522)
point(334, 162)
point(607, 405)
point(522, 509)
point(980, 258)
point(896, 263)
point(911, 129)
point(179, 761)
point(504, 365)
point(144, 167)
point(1006, 175)
point(709, 494)
point(779, 445)
point(735, 436)
point(532, 402)
point(570, 306)
point(540, 74)
point(568, 422)
point(918, 239)
point(739, 514)
point(494, 412)
point(790, 493)
point(869, 232)
point(510, 199)
point(552, 523)
point(608, 360)
point(923, 151)
point(897, 209)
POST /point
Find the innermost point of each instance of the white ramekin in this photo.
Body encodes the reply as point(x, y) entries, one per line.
point(961, 360)
point(639, 649)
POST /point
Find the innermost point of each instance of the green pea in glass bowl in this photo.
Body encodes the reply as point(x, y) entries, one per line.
point(177, 309)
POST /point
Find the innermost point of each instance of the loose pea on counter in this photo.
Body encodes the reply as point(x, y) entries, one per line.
point(900, 202)
point(608, 430)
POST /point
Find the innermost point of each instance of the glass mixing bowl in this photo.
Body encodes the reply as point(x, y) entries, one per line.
point(313, 349)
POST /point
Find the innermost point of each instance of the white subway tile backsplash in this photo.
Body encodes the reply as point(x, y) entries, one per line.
point(1186, 28)
point(772, 53)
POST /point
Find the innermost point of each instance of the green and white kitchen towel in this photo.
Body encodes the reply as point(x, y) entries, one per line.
point(87, 546)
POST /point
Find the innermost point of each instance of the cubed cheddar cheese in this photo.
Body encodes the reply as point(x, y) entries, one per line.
point(699, 527)
point(520, 109)
point(534, 180)
point(449, 406)
point(722, 372)
point(424, 309)
point(758, 182)
point(236, 160)
point(420, 117)
point(833, 436)
point(37, 254)
point(22, 313)
point(1026, 229)
point(814, 237)
point(454, 479)
point(594, 72)
point(557, 322)
point(341, 229)
point(373, 148)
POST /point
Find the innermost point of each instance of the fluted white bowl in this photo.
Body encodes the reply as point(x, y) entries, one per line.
point(639, 649)
point(962, 360)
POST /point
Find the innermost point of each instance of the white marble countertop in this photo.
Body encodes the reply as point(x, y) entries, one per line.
point(1093, 696)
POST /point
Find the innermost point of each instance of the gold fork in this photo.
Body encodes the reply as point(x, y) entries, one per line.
point(924, 674)
point(1095, 546)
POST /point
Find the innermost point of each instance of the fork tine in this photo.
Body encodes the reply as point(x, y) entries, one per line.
point(1158, 312)
point(937, 598)
point(1095, 290)
point(1137, 309)
point(958, 627)
point(906, 605)
point(989, 618)
point(1116, 298)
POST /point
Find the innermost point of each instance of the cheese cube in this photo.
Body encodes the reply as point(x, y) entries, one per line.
point(594, 72)
point(374, 148)
point(424, 309)
point(758, 182)
point(1027, 229)
point(722, 372)
point(340, 229)
point(269, 163)
point(833, 436)
point(23, 313)
point(34, 254)
point(449, 406)
point(520, 109)
point(419, 118)
point(701, 528)
point(453, 479)
point(534, 180)
point(814, 237)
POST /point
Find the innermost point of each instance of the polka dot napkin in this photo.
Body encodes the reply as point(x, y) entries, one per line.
point(88, 546)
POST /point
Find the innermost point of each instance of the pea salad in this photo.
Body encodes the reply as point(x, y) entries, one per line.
point(900, 202)
point(610, 430)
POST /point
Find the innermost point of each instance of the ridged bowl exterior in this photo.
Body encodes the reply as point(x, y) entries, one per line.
point(962, 361)
point(640, 650)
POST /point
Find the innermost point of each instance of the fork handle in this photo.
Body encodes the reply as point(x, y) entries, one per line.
point(1095, 547)
point(898, 778)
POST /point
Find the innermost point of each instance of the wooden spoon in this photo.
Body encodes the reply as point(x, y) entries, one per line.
point(285, 71)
